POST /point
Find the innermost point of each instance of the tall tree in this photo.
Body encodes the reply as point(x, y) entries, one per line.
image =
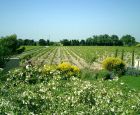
point(82, 42)
point(89, 41)
point(10, 42)
point(4, 55)
point(65, 42)
point(115, 40)
point(128, 40)
point(42, 42)
point(48, 42)
point(8, 47)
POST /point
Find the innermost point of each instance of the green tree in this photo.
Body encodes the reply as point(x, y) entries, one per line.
point(29, 42)
point(4, 55)
point(48, 42)
point(65, 42)
point(42, 42)
point(74, 42)
point(115, 40)
point(128, 40)
point(89, 41)
point(10, 42)
point(8, 47)
point(82, 43)
point(21, 42)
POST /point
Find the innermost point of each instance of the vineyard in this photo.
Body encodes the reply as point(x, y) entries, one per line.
point(52, 56)
point(82, 56)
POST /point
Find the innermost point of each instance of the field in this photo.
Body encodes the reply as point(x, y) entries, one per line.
point(29, 48)
point(84, 57)
point(67, 84)
point(81, 56)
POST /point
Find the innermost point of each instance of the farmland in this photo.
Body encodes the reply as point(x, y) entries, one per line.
point(52, 56)
point(81, 56)
point(84, 57)
point(63, 80)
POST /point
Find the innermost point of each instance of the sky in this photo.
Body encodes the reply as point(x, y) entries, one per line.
point(69, 19)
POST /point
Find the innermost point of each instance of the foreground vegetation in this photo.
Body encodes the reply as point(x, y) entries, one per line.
point(61, 90)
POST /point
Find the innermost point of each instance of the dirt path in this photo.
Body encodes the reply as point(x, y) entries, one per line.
point(57, 57)
point(73, 60)
point(82, 62)
point(64, 55)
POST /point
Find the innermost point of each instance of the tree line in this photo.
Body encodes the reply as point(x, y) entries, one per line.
point(28, 42)
point(96, 40)
point(102, 40)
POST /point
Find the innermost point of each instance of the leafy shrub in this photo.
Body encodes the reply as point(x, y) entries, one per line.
point(4, 55)
point(49, 69)
point(35, 75)
point(19, 51)
point(1, 71)
point(105, 74)
point(132, 72)
point(87, 74)
point(32, 75)
point(114, 64)
point(138, 45)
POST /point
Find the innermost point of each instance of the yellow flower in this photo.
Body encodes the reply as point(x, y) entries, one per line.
point(75, 69)
point(64, 66)
point(48, 68)
point(68, 69)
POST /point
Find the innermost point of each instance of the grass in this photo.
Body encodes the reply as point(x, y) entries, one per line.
point(88, 75)
point(132, 82)
point(28, 48)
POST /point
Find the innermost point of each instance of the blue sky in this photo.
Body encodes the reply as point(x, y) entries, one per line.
point(71, 19)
